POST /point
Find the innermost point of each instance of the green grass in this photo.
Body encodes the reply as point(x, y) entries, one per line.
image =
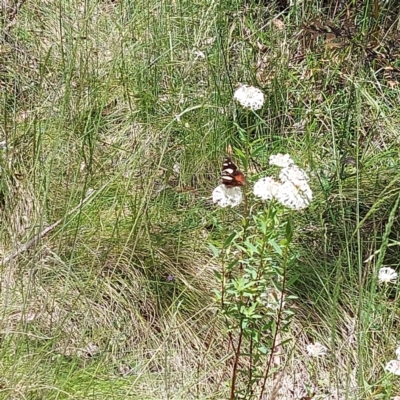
point(89, 98)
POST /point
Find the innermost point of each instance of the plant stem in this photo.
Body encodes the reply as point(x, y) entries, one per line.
point(236, 363)
point(276, 334)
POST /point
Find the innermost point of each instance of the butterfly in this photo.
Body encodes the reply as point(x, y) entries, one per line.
point(231, 176)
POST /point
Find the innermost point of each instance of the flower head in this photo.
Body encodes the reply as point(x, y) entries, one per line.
point(317, 349)
point(393, 367)
point(292, 191)
point(266, 188)
point(387, 275)
point(280, 160)
point(289, 196)
point(249, 97)
point(227, 196)
point(295, 175)
point(299, 179)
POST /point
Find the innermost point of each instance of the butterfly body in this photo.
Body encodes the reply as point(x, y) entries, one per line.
point(231, 176)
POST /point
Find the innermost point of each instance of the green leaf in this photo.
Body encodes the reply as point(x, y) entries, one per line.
point(292, 280)
point(275, 246)
point(229, 239)
point(264, 350)
point(263, 225)
point(289, 231)
point(232, 264)
point(217, 274)
point(214, 250)
point(252, 273)
point(240, 154)
point(267, 326)
point(250, 247)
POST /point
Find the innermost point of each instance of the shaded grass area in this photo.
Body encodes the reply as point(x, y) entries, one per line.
point(57, 377)
point(134, 101)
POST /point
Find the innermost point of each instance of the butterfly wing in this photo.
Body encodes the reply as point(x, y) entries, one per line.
point(231, 176)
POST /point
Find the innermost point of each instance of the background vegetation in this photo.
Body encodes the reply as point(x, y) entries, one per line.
point(115, 118)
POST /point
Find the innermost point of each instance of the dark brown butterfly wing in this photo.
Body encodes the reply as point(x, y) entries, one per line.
point(231, 176)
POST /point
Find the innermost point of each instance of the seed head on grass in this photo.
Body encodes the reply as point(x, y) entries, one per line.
point(316, 350)
point(249, 97)
point(225, 196)
point(387, 275)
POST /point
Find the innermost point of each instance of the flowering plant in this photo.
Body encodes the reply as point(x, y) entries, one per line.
point(256, 259)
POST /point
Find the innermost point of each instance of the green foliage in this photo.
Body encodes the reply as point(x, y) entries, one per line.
point(131, 102)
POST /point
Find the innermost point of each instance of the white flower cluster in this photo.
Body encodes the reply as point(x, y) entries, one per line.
point(266, 188)
point(292, 189)
point(281, 160)
point(249, 97)
point(387, 275)
point(393, 366)
point(225, 196)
